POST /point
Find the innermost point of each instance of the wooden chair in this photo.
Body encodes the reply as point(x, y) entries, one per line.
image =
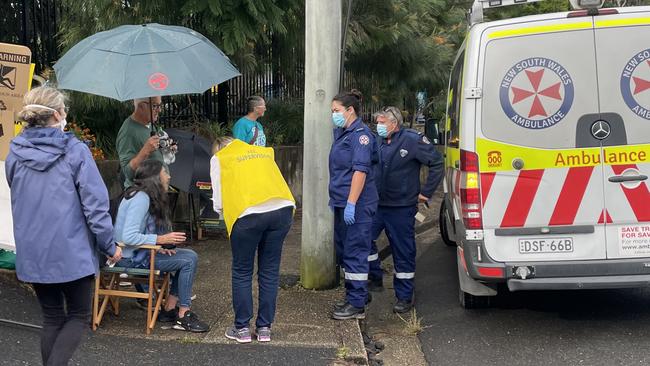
point(107, 289)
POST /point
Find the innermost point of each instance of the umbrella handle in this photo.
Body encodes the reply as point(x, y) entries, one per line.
point(153, 127)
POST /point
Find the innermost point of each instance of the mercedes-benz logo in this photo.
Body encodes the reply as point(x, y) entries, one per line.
point(600, 130)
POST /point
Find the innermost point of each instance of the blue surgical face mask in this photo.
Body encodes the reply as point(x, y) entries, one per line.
point(338, 119)
point(382, 130)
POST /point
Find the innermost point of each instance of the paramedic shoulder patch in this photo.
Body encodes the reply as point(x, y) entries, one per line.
point(536, 93)
point(635, 82)
point(364, 140)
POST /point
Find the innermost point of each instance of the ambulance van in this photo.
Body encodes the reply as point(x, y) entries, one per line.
point(547, 153)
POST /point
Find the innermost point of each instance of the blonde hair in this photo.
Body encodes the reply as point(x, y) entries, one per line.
point(220, 143)
point(34, 102)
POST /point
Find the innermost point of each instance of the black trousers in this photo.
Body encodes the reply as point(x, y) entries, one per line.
point(66, 317)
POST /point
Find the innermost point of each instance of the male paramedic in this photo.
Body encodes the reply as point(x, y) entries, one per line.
point(402, 152)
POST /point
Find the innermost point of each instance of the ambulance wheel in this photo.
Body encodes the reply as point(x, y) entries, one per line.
point(469, 301)
point(444, 231)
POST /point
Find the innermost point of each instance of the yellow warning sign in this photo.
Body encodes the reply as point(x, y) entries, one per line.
point(15, 70)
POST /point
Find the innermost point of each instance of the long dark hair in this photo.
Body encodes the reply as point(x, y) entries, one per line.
point(147, 179)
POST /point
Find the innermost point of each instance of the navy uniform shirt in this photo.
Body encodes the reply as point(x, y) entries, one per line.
point(354, 149)
point(398, 171)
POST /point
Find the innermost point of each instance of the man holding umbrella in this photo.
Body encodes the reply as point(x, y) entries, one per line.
point(134, 141)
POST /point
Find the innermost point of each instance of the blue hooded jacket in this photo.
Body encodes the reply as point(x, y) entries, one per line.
point(60, 207)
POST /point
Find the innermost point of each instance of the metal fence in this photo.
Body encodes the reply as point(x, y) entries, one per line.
point(277, 75)
point(32, 23)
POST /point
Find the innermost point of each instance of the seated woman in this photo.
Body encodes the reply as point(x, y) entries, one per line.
point(142, 218)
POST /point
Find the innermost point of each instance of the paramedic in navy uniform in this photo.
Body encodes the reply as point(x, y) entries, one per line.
point(353, 198)
point(401, 154)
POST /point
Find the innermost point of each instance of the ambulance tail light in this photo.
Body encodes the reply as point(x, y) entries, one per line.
point(470, 194)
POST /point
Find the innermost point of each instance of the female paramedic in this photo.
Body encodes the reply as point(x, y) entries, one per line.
point(353, 198)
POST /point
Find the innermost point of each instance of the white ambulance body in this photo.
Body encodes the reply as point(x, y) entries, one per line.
point(547, 149)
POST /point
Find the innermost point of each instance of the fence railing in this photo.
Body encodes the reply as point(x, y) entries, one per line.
point(32, 23)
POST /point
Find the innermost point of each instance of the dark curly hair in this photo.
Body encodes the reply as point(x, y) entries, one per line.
point(147, 179)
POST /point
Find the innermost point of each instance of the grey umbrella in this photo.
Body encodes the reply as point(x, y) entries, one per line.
point(139, 61)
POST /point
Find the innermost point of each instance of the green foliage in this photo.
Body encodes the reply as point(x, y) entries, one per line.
point(400, 47)
point(207, 129)
point(284, 122)
point(235, 26)
point(542, 7)
point(103, 116)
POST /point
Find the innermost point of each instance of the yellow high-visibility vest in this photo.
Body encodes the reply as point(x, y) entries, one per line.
point(249, 176)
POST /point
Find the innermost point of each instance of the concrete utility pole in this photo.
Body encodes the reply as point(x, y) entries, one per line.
point(322, 60)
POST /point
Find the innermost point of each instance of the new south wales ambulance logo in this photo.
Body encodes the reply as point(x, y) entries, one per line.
point(536, 93)
point(635, 82)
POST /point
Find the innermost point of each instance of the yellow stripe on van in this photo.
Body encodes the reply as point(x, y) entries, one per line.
point(539, 29)
point(622, 22)
point(496, 156)
point(452, 156)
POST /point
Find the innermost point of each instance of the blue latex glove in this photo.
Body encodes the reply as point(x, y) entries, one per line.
point(348, 213)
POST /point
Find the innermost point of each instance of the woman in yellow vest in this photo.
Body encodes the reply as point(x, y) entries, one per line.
point(258, 218)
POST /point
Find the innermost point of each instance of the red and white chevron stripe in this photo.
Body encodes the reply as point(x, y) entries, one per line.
point(562, 196)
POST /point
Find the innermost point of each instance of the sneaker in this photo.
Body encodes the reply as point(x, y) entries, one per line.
point(349, 312)
point(263, 334)
point(341, 303)
point(240, 335)
point(168, 316)
point(191, 323)
point(376, 285)
point(402, 306)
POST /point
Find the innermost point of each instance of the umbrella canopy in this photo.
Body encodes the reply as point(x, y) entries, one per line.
point(192, 161)
point(140, 61)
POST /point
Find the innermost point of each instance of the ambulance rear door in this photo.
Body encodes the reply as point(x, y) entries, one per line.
point(542, 192)
point(623, 62)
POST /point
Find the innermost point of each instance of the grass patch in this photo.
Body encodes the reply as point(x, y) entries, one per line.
point(412, 325)
point(343, 353)
point(189, 340)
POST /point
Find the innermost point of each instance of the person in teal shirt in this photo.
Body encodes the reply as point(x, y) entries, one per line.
point(247, 128)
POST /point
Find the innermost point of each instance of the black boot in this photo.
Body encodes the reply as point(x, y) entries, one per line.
point(403, 306)
point(341, 303)
point(348, 311)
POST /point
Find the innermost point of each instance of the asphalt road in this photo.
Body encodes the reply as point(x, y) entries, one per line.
point(605, 327)
point(20, 345)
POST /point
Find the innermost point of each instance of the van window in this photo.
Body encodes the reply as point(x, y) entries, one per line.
point(534, 91)
point(455, 91)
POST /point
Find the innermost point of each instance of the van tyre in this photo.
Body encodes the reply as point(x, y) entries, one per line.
point(469, 301)
point(442, 224)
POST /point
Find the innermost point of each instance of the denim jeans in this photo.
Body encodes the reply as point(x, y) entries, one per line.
point(265, 234)
point(66, 315)
point(182, 265)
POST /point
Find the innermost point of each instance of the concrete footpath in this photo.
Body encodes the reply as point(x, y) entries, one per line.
point(392, 339)
point(303, 332)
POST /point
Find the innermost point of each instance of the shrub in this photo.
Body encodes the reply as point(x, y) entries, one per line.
point(284, 122)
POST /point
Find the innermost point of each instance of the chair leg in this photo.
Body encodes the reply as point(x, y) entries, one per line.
point(162, 294)
point(96, 301)
point(105, 301)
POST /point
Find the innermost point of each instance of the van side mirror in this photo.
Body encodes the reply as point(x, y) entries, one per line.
point(432, 132)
